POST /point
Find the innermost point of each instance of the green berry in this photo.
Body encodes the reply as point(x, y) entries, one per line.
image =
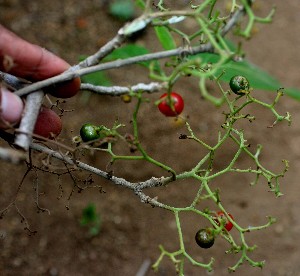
point(89, 132)
point(205, 238)
point(239, 85)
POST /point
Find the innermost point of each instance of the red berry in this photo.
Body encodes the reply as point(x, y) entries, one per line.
point(171, 106)
point(65, 90)
point(48, 123)
point(221, 217)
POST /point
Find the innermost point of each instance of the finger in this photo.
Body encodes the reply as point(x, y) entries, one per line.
point(32, 62)
point(27, 60)
point(66, 89)
point(11, 107)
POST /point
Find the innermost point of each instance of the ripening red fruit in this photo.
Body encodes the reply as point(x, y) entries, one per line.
point(48, 123)
point(171, 107)
point(222, 217)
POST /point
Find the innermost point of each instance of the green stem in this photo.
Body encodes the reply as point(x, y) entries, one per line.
point(138, 144)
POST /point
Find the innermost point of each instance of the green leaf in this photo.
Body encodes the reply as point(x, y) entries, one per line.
point(292, 92)
point(127, 51)
point(91, 219)
point(258, 78)
point(97, 78)
point(89, 214)
point(130, 50)
point(140, 3)
point(94, 231)
point(122, 9)
point(230, 44)
point(165, 38)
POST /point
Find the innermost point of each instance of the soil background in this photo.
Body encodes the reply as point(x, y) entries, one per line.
point(131, 231)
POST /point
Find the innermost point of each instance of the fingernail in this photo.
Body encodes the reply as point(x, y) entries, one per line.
point(11, 106)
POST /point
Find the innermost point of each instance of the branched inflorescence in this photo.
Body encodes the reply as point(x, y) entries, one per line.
point(204, 55)
point(204, 173)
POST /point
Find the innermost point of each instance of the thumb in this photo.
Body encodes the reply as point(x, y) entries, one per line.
point(11, 108)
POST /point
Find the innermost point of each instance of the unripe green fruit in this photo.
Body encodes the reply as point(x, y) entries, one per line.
point(205, 238)
point(239, 85)
point(89, 132)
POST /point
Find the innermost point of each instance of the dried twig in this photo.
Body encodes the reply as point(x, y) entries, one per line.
point(12, 155)
point(136, 187)
point(31, 110)
point(144, 268)
point(12, 82)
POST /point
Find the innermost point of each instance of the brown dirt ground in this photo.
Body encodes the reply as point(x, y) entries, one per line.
point(131, 231)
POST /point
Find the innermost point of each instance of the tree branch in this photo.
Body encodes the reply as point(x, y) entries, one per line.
point(90, 65)
point(136, 187)
point(69, 75)
point(12, 155)
point(81, 69)
point(121, 90)
point(31, 112)
point(103, 52)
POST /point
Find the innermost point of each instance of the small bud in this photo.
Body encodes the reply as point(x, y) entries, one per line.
point(126, 98)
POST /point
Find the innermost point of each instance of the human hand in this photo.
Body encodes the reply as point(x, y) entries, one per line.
point(31, 62)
